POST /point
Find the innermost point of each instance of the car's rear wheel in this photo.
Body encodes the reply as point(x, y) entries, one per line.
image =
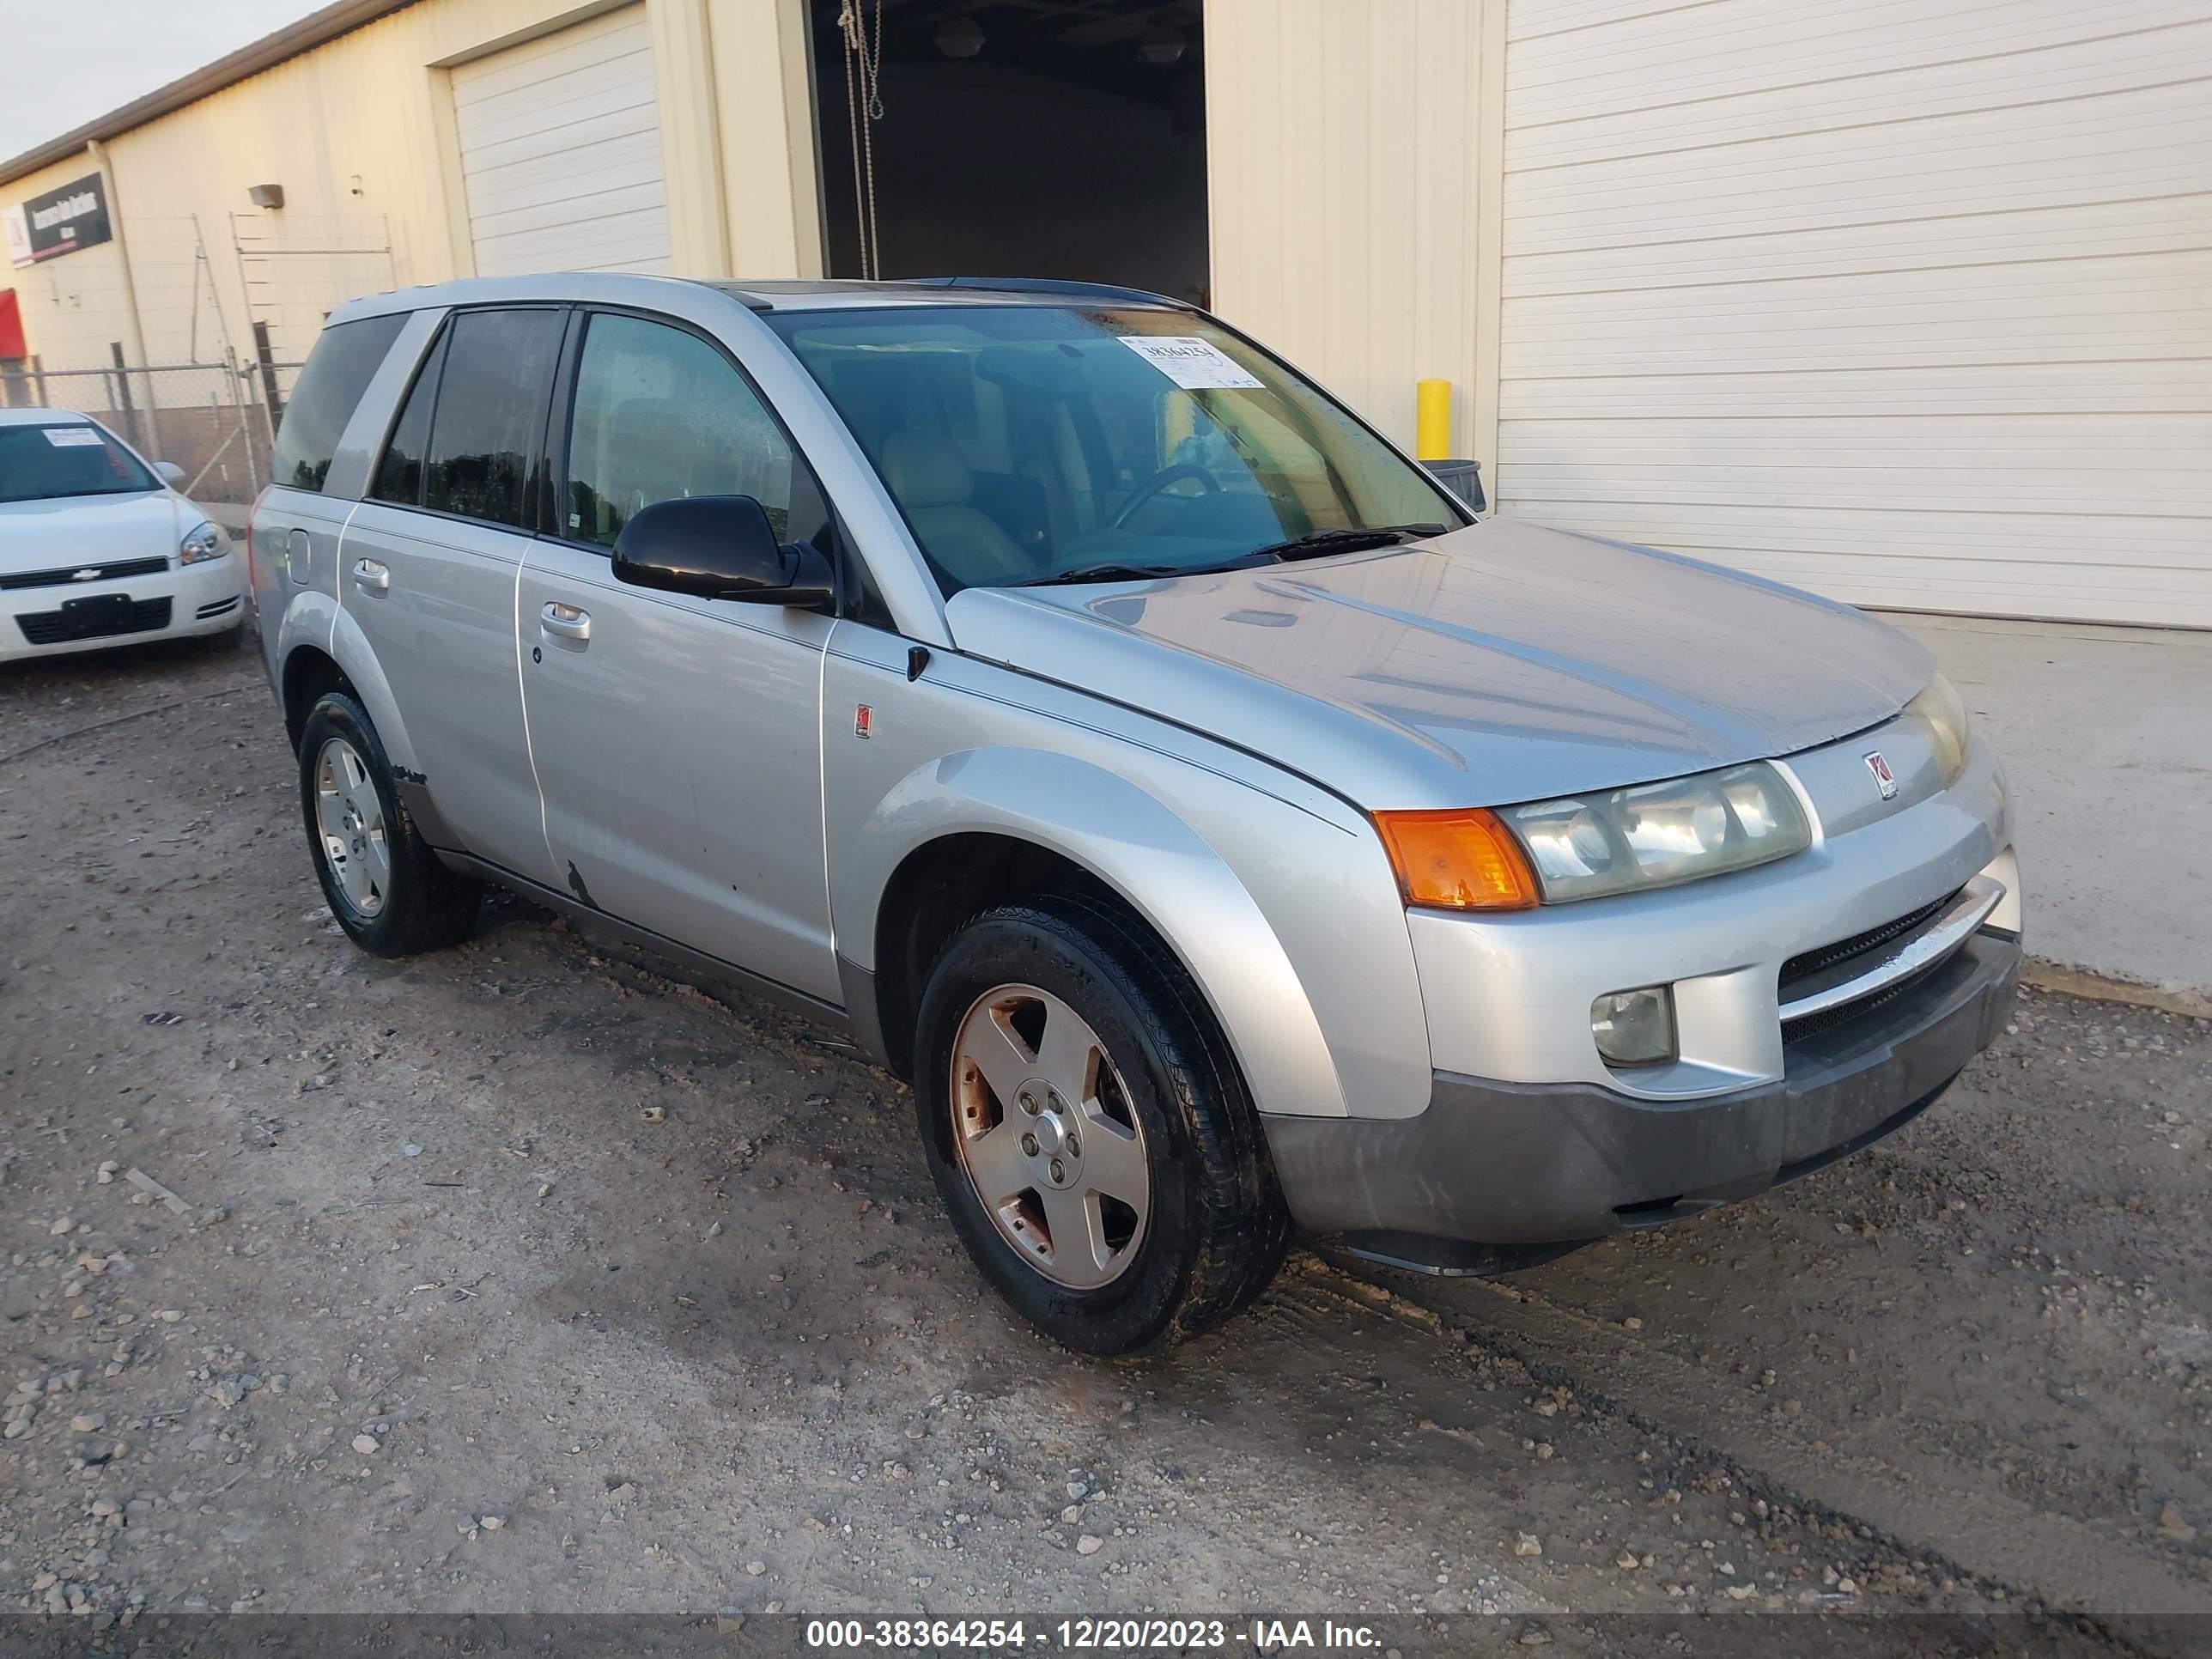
point(1089, 1130)
point(388, 890)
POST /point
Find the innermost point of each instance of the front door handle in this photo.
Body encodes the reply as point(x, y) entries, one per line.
point(371, 577)
point(566, 622)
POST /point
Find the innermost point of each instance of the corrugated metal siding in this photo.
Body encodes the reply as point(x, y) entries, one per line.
point(1343, 144)
point(1909, 301)
point(560, 152)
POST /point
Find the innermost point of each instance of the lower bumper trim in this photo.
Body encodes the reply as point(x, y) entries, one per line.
point(1503, 1164)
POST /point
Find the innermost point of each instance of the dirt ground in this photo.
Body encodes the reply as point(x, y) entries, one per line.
point(520, 1278)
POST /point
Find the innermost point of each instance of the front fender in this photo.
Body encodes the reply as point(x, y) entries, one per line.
point(1131, 841)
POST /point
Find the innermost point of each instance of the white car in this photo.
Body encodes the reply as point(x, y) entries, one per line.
point(99, 547)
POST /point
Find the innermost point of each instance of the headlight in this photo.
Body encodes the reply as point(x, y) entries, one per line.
point(205, 543)
point(1658, 834)
point(1945, 712)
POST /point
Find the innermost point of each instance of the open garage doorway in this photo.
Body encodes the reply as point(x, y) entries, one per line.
point(1015, 139)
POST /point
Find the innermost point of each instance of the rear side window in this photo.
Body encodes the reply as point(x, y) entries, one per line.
point(338, 371)
point(490, 412)
point(399, 474)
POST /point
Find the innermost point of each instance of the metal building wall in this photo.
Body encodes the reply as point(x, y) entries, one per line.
point(1905, 301)
point(361, 134)
point(1353, 160)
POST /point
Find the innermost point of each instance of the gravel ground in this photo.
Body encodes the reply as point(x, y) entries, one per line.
point(520, 1278)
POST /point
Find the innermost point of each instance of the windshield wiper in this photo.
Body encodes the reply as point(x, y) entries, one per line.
point(1110, 573)
point(1311, 545)
point(1317, 543)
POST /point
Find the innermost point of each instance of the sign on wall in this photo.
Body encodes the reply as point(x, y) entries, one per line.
point(60, 222)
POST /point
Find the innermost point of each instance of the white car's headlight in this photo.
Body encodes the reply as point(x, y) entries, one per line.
point(205, 542)
point(1655, 835)
point(1945, 712)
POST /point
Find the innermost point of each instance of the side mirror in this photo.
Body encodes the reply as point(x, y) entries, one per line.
point(719, 547)
point(170, 474)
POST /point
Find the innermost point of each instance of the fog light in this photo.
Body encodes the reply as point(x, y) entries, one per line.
point(1635, 1028)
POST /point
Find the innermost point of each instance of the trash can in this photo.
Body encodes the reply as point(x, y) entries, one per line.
point(1462, 478)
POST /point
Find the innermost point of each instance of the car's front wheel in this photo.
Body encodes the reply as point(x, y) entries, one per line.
point(1090, 1132)
point(387, 888)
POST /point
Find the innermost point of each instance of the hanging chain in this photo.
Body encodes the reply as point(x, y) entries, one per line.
point(864, 107)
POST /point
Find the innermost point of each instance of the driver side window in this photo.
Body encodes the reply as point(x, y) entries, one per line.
point(661, 415)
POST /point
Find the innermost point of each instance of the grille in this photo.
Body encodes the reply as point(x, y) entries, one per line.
point(57, 627)
point(1819, 960)
point(68, 577)
point(215, 610)
point(1796, 1030)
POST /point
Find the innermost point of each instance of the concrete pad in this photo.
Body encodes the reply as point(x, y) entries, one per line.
point(2106, 736)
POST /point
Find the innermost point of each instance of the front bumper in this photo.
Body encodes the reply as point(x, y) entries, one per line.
point(183, 600)
point(1514, 1164)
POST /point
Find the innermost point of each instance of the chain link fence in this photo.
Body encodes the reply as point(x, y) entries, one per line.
point(215, 420)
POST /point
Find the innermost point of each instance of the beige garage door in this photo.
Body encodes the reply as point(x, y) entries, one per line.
point(561, 152)
point(1909, 301)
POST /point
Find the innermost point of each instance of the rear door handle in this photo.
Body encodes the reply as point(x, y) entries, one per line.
point(566, 622)
point(371, 577)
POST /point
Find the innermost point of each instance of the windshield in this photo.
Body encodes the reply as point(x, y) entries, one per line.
point(40, 462)
point(1029, 443)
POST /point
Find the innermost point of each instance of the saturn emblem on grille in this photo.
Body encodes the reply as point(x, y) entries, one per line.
point(1885, 780)
point(90, 572)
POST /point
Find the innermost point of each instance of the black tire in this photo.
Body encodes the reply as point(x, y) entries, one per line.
point(1218, 1227)
point(427, 906)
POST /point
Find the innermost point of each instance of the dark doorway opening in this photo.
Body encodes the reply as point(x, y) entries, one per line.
point(1062, 138)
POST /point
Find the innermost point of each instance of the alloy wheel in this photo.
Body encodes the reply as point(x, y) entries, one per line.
point(350, 816)
point(1045, 1133)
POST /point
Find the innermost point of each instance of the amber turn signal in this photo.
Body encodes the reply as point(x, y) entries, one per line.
point(1460, 859)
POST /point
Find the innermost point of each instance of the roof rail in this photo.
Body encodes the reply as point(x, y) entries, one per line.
point(1051, 285)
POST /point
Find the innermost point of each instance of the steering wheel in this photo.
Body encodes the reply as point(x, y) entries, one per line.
point(1160, 480)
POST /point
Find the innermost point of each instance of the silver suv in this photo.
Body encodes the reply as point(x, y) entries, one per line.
point(1127, 744)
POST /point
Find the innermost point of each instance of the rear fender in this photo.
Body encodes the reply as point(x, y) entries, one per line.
point(351, 647)
point(312, 622)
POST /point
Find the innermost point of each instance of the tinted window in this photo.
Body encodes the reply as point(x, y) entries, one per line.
point(338, 371)
point(38, 463)
point(489, 412)
point(399, 474)
point(660, 414)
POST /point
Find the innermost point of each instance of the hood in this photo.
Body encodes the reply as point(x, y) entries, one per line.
point(91, 529)
point(1502, 662)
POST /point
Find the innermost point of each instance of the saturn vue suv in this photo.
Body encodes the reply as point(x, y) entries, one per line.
point(1225, 832)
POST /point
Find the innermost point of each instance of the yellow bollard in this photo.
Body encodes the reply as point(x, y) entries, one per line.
point(1432, 421)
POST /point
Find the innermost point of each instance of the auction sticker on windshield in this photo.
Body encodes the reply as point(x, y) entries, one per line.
point(1193, 364)
point(71, 437)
